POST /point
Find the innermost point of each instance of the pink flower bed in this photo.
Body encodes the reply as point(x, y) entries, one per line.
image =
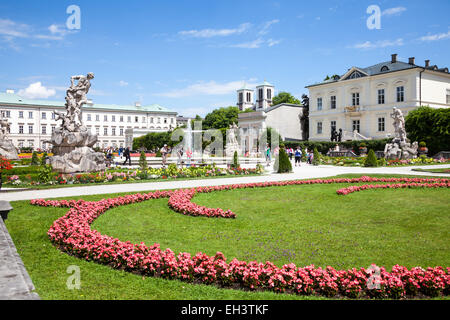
point(72, 234)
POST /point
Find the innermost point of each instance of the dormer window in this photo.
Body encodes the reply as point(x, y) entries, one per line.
point(355, 75)
point(384, 68)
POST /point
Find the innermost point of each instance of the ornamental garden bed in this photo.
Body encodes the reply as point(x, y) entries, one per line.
point(21, 177)
point(309, 224)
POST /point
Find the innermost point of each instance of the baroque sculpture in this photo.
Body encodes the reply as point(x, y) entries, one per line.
point(400, 147)
point(72, 141)
point(7, 149)
point(232, 143)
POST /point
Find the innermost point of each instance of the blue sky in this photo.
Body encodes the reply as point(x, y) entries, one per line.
point(191, 56)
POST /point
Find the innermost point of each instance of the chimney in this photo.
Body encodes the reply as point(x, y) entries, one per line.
point(427, 63)
point(90, 102)
point(411, 60)
point(137, 104)
point(393, 58)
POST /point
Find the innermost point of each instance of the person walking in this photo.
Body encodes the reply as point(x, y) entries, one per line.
point(127, 156)
point(298, 156)
point(180, 155)
point(164, 151)
point(268, 155)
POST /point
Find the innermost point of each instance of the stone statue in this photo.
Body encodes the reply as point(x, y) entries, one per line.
point(232, 143)
point(399, 124)
point(7, 149)
point(72, 142)
point(334, 135)
point(339, 137)
point(400, 147)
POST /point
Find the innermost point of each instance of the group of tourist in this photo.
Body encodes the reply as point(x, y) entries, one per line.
point(297, 155)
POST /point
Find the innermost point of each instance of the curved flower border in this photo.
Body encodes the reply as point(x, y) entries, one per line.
point(72, 234)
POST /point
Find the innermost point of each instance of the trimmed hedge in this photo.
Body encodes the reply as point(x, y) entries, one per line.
point(282, 162)
point(371, 159)
point(324, 146)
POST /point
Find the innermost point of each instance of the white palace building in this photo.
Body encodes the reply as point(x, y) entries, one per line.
point(362, 99)
point(33, 121)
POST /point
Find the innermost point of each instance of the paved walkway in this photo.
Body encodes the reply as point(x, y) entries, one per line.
point(15, 283)
point(303, 172)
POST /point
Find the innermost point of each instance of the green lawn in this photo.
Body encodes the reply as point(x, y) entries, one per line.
point(308, 224)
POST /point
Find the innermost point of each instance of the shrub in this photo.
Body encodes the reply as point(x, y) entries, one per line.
point(371, 159)
point(143, 161)
point(34, 159)
point(316, 159)
point(282, 162)
point(45, 173)
point(422, 144)
point(44, 156)
point(431, 126)
point(235, 163)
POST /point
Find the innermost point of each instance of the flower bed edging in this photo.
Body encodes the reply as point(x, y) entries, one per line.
point(72, 234)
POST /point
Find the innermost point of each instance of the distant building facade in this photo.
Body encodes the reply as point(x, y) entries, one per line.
point(362, 99)
point(284, 118)
point(33, 121)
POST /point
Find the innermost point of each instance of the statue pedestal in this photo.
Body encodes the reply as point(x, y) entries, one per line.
point(73, 152)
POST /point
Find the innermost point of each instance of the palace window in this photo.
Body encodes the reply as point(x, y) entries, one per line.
point(44, 129)
point(53, 129)
point(381, 124)
point(97, 130)
point(249, 97)
point(44, 115)
point(53, 116)
point(113, 131)
point(105, 118)
point(269, 94)
point(319, 127)
point(333, 102)
point(129, 119)
point(448, 96)
point(241, 97)
point(136, 119)
point(113, 118)
point(381, 96)
point(21, 129)
point(121, 131)
point(97, 117)
point(30, 114)
point(20, 114)
point(400, 94)
point(356, 126)
point(30, 129)
point(355, 99)
point(88, 117)
point(333, 125)
point(121, 118)
point(260, 94)
point(105, 131)
point(319, 103)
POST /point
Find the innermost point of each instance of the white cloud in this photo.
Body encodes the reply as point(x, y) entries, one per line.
point(272, 42)
point(36, 91)
point(209, 33)
point(392, 11)
point(205, 88)
point(267, 26)
point(435, 37)
point(249, 45)
point(13, 29)
point(123, 83)
point(378, 44)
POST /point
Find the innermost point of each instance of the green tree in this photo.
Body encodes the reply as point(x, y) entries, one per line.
point(282, 162)
point(143, 161)
point(285, 97)
point(316, 159)
point(221, 118)
point(371, 159)
point(34, 159)
point(431, 126)
point(235, 164)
